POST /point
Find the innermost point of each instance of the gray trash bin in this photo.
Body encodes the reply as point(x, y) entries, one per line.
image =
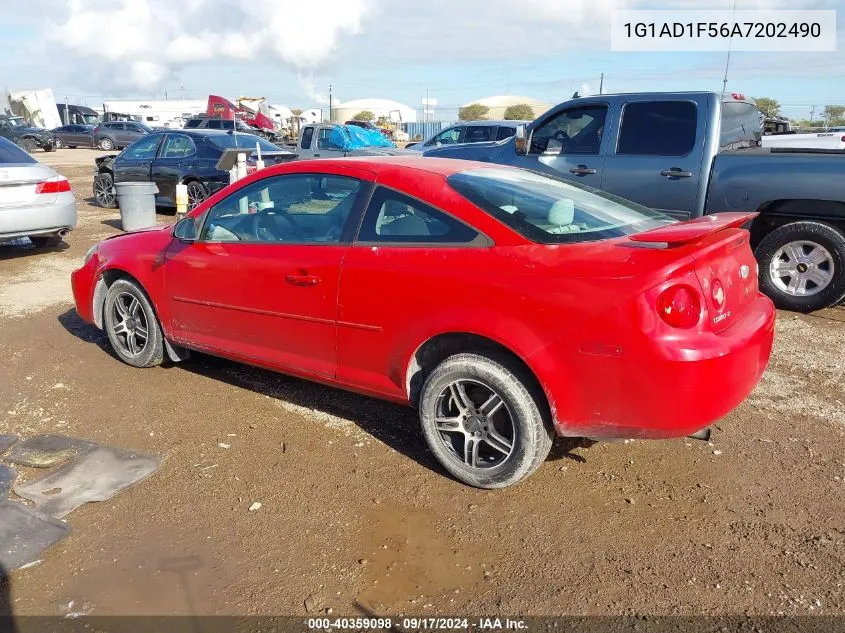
point(137, 202)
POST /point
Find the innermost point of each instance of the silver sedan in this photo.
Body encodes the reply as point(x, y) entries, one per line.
point(35, 201)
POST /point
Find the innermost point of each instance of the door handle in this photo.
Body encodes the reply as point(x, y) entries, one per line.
point(676, 172)
point(582, 170)
point(316, 156)
point(302, 280)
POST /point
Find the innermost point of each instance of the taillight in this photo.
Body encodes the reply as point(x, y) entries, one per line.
point(679, 306)
point(843, 138)
point(717, 292)
point(57, 184)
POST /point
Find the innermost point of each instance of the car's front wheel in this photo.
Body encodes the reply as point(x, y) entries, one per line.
point(132, 326)
point(802, 266)
point(104, 192)
point(485, 420)
point(106, 144)
point(58, 143)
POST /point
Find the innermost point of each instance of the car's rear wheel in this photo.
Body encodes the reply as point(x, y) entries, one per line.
point(104, 192)
point(802, 266)
point(484, 419)
point(106, 144)
point(132, 326)
point(196, 194)
point(45, 241)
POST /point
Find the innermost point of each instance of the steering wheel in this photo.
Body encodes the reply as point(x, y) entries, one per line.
point(566, 141)
point(260, 225)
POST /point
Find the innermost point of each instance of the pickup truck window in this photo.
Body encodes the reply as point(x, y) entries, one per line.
point(448, 136)
point(307, 135)
point(740, 125)
point(573, 131)
point(505, 132)
point(549, 210)
point(479, 133)
point(324, 140)
point(658, 128)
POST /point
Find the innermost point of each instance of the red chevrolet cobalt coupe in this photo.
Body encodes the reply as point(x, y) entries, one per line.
point(506, 305)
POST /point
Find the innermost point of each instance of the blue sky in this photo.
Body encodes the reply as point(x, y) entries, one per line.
point(458, 50)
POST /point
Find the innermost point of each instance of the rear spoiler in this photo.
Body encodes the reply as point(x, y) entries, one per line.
point(692, 230)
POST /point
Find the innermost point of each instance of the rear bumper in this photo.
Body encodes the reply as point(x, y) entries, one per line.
point(660, 390)
point(44, 219)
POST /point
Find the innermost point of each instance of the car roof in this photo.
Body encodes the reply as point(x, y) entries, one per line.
point(498, 122)
point(441, 166)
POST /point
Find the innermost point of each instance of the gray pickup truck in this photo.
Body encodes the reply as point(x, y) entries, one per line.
point(693, 154)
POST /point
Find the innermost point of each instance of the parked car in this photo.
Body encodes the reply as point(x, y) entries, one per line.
point(693, 154)
point(75, 135)
point(35, 201)
point(118, 134)
point(469, 132)
point(177, 156)
point(506, 305)
point(332, 140)
point(30, 138)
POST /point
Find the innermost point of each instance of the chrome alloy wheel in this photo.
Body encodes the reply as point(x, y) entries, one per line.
point(475, 424)
point(130, 324)
point(802, 268)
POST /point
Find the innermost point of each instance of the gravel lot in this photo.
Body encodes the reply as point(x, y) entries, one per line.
point(357, 517)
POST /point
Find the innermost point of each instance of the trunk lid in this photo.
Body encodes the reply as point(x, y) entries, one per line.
point(18, 184)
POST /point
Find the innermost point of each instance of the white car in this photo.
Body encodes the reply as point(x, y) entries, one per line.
point(35, 201)
point(829, 139)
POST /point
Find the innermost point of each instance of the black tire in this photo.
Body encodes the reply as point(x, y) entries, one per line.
point(196, 194)
point(58, 143)
point(45, 241)
point(812, 238)
point(523, 404)
point(28, 145)
point(106, 144)
point(126, 313)
point(48, 148)
point(104, 192)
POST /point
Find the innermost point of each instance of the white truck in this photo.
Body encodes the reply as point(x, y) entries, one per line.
point(829, 139)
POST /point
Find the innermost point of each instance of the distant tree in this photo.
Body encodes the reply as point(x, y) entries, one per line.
point(474, 112)
point(519, 112)
point(834, 114)
point(364, 115)
point(767, 105)
point(296, 111)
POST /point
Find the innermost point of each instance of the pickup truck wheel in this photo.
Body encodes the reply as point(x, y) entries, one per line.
point(802, 266)
point(483, 419)
point(104, 192)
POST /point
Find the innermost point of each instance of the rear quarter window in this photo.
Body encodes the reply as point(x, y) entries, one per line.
point(658, 128)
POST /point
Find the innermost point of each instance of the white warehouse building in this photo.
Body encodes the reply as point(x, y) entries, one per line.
point(499, 104)
point(393, 110)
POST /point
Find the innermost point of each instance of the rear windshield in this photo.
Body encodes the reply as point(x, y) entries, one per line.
point(12, 154)
point(549, 210)
point(231, 141)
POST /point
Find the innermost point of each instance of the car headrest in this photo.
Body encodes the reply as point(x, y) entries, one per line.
point(562, 212)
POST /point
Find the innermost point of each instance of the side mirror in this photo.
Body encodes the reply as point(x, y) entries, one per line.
point(521, 140)
point(186, 230)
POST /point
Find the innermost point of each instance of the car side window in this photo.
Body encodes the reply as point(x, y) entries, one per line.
point(325, 141)
point(307, 135)
point(658, 128)
point(396, 218)
point(215, 124)
point(449, 136)
point(504, 132)
point(574, 131)
point(291, 209)
point(177, 146)
point(479, 133)
point(143, 148)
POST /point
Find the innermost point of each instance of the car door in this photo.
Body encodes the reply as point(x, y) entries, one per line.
point(657, 161)
point(400, 239)
point(327, 143)
point(570, 143)
point(254, 286)
point(134, 163)
point(174, 154)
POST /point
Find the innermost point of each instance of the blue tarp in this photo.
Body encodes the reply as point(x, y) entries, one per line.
point(352, 137)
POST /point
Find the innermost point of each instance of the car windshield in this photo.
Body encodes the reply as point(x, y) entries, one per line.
point(549, 210)
point(11, 154)
point(231, 141)
point(17, 122)
point(91, 119)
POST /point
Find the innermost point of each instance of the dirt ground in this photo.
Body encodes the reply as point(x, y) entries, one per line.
point(357, 517)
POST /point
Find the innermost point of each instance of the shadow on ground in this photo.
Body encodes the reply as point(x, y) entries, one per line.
point(395, 425)
point(24, 248)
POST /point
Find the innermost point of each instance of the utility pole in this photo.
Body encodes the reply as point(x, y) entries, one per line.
point(812, 113)
point(426, 107)
point(330, 103)
point(601, 84)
